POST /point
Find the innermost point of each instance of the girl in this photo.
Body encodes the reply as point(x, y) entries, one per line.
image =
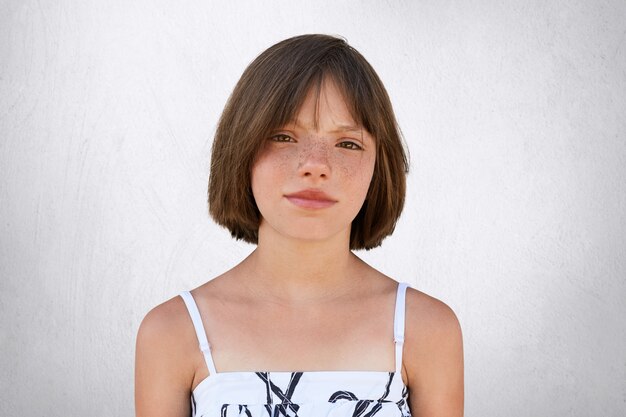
point(308, 164)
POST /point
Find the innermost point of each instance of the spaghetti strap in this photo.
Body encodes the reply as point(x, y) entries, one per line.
point(398, 323)
point(192, 308)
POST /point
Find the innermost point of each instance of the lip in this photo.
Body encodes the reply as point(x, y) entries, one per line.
point(311, 199)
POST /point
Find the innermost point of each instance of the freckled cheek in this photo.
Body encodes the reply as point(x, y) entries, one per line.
point(356, 179)
point(285, 160)
point(357, 174)
point(280, 161)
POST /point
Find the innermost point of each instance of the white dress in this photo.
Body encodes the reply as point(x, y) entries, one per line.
point(304, 394)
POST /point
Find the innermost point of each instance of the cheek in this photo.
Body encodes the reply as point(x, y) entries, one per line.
point(274, 161)
point(357, 176)
point(358, 170)
point(258, 178)
point(265, 174)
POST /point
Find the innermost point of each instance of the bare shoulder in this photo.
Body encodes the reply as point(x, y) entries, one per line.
point(433, 356)
point(166, 327)
point(164, 360)
point(429, 320)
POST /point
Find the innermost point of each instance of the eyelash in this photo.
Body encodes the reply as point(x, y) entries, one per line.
point(282, 138)
point(351, 146)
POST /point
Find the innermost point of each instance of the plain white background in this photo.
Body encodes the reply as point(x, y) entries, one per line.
point(514, 115)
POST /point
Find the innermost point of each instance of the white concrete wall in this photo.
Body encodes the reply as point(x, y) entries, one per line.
point(514, 113)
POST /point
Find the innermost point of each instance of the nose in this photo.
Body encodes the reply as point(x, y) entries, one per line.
point(314, 161)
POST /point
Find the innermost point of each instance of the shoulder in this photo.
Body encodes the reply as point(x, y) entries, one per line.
point(165, 362)
point(165, 323)
point(433, 355)
point(429, 321)
point(166, 336)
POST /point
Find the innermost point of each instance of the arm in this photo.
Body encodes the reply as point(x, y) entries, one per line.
point(163, 375)
point(433, 358)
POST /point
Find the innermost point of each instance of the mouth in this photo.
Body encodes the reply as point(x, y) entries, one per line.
point(311, 199)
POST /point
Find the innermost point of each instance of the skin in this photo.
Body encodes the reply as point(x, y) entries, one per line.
point(286, 296)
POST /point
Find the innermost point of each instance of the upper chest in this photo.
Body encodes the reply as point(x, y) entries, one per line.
point(256, 335)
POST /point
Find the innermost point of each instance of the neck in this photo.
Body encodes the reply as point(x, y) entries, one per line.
point(292, 271)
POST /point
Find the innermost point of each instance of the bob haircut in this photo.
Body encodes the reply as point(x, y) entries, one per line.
point(268, 96)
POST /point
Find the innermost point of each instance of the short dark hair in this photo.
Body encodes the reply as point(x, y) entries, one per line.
point(269, 95)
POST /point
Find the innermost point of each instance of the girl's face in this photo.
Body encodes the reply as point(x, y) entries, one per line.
point(311, 177)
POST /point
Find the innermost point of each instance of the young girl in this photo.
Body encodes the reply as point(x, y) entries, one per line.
point(307, 164)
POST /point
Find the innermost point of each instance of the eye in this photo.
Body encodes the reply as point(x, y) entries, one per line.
point(350, 145)
point(281, 137)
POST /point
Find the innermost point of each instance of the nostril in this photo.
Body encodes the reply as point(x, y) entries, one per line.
point(308, 173)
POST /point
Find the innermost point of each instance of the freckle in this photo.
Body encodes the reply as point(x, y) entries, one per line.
point(347, 172)
point(285, 159)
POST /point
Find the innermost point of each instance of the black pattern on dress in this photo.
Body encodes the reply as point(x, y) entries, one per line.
point(362, 405)
point(285, 408)
point(403, 404)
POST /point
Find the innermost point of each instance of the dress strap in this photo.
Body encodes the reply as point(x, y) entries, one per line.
point(398, 323)
point(200, 333)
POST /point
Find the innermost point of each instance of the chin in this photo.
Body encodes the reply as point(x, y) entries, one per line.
point(306, 233)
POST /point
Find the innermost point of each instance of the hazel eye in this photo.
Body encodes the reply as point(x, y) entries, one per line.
point(350, 145)
point(281, 138)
